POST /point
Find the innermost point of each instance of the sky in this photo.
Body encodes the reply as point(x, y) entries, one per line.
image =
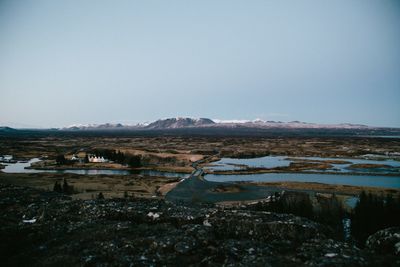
point(79, 62)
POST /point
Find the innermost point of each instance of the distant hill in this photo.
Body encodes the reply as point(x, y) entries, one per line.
point(289, 125)
point(105, 126)
point(175, 123)
point(6, 129)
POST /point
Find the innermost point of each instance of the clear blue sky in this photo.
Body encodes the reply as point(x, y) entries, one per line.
point(65, 62)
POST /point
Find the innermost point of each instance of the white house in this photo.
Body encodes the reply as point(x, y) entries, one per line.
point(96, 159)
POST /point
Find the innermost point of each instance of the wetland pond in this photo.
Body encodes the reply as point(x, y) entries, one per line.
point(343, 179)
point(21, 167)
point(340, 165)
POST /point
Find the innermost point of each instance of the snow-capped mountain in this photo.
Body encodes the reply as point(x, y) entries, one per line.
point(185, 122)
point(105, 126)
point(258, 123)
point(174, 123)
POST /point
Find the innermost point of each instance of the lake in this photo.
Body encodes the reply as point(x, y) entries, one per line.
point(227, 164)
point(355, 180)
point(20, 167)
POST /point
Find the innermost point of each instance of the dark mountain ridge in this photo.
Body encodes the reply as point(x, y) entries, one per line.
point(205, 126)
point(173, 123)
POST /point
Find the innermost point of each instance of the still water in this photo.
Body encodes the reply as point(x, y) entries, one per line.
point(19, 167)
point(355, 180)
point(226, 164)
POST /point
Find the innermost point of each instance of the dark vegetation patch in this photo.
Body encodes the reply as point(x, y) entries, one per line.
point(227, 188)
point(373, 213)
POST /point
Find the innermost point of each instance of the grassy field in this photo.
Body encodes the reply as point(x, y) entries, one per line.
point(89, 186)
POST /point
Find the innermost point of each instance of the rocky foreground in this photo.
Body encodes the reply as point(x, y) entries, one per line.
point(39, 228)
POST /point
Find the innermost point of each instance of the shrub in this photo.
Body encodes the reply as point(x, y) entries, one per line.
point(373, 213)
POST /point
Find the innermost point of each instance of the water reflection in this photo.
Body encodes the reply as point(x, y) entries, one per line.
point(228, 164)
point(355, 180)
point(20, 167)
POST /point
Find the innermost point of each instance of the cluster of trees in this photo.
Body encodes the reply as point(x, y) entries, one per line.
point(373, 213)
point(61, 160)
point(64, 188)
point(329, 210)
point(101, 196)
point(133, 161)
point(292, 202)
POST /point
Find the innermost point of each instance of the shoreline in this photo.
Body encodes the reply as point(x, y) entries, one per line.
point(328, 188)
point(160, 169)
point(187, 170)
point(262, 171)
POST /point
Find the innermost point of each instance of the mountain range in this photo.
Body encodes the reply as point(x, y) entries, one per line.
point(184, 122)
point(205, 126)
point(205, 123)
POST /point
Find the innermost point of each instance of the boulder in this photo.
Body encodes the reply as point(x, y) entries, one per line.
point(386, 241)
